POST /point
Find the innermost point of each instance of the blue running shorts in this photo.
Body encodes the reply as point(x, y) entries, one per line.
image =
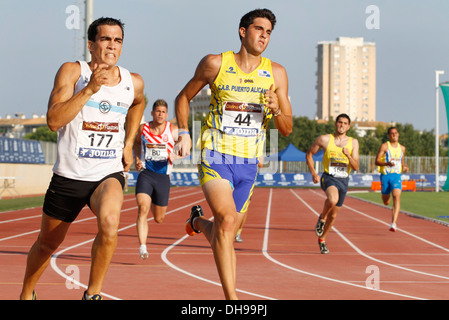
point(390, 181)
point(240, 172)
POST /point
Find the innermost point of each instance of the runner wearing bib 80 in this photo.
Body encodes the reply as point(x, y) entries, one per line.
point(247, 91)
point(153, 150)
point(341, 155)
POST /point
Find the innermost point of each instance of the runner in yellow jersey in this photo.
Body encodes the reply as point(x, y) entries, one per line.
point(390, 158)
point(247, 91)
point(341, 154)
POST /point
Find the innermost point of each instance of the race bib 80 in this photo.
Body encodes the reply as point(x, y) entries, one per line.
point(156, 152)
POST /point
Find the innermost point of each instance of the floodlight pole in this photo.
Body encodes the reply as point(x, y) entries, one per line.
point(88, 18)
point(437, 138)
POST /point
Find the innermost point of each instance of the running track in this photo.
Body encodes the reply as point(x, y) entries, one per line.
point(278, 260)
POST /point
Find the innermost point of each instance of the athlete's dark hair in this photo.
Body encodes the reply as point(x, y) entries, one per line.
point(391, 128)
point(248, 18)
point(343, 115)
point(159, 102)
point(93, 28)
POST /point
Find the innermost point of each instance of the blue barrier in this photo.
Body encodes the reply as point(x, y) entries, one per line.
point(21, 151)
point(299, 179)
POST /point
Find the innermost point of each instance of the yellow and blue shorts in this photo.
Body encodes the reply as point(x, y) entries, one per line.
point(240, 172)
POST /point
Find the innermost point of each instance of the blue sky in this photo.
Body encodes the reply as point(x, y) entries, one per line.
point(165, 40)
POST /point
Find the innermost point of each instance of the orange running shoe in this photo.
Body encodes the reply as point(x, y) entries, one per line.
point(196, 212)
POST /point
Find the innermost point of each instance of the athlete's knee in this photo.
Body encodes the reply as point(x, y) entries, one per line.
point(108, 226)
point(332, 201)
point(159, 219)
point(227, 223)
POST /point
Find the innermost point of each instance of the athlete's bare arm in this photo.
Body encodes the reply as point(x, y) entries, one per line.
point(205, 74)
point(405, 167)
point(133, 119)
point(63, 106)
point(279, 102)
point(354, 156)
point(320, 143)
point(137, 148)
point(382, 150)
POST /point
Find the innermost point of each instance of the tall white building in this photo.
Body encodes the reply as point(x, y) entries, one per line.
point(200, 103)
point(346, 79)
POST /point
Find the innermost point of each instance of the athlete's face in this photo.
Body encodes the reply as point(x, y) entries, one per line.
point(342, 125)
point(393, 135)
point(160, 114)
point(107, 47)
point(257, 36)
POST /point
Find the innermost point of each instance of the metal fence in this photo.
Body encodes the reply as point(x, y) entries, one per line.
point(418, 165)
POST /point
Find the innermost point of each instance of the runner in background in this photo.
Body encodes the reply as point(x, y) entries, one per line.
point(154, 144)
point(341, 155)
point(390, 159)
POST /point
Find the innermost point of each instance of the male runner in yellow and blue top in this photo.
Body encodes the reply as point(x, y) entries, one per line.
point(341, 154)
point(247, 91)
point(390, 159)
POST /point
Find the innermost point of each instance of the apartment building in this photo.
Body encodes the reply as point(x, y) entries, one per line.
point(346, 79)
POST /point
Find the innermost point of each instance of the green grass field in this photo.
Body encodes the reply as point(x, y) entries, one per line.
point(428, 204)
point(29, 202)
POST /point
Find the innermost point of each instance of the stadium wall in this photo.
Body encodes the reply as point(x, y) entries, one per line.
point(24, 179)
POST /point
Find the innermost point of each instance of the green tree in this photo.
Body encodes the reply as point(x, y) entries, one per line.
point(42, 134)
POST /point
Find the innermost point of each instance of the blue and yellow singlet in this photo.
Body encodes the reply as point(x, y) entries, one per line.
point(237, 117)
point(395, 155)
point(335, 163)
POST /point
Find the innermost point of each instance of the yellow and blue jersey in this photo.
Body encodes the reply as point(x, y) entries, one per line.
point(237, 116)
point(395, 155)
point(335, 163)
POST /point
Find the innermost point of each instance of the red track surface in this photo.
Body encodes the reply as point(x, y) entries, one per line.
point(279, 258)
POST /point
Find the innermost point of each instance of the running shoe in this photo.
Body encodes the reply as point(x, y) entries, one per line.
point(393, 227)
point(196, 212)
point(323, 247)
point(319, 228)
point(238, 238)
point(143, 252)
point(94, 297)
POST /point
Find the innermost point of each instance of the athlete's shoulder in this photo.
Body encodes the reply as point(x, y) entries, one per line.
point(323, 140)
point(211, 61)
point(71, 69)
point(137, 80)
point(279, 73)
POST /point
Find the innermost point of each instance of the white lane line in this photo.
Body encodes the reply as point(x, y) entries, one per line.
point(267, 255)
point(382, 222)
point(74, 281)
point(167, 261)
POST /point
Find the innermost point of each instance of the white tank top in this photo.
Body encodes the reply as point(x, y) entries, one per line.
point(156, 149)
point(90, 147)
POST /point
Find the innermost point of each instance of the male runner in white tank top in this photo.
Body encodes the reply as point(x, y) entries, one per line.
point(88, 106)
